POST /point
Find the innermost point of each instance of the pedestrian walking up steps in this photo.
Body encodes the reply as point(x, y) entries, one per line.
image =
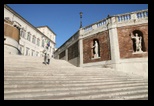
point(26, 78)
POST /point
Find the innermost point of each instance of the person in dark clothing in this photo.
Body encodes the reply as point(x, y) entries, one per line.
point(45, 51)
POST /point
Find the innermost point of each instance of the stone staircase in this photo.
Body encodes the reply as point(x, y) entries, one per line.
point(26, 78)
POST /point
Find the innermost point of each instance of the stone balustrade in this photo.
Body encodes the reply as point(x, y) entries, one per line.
point(103, 22)
point(88, 28)
point(124, 17)
point(121, 18)
point(142, 14)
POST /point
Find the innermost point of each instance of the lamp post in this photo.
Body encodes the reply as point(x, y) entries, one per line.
point(81, 19)
point(107, 25)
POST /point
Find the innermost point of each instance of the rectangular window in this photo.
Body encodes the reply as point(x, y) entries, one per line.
point(27, 50)
point(21, 33)
point(37, 53)
point(33, 40)
point(24, 34)
point(28, 36)
point(38, 42)
point(42, 43)
point(32, 53)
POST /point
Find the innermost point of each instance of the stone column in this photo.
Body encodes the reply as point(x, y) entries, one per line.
point(114, 44)
point(80, 52)
point(66, 54)
point(80, 45)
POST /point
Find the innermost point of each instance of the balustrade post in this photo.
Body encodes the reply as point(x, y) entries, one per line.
point(94, 26)
point(134, 16)
point(113, 20)
point(81, 31)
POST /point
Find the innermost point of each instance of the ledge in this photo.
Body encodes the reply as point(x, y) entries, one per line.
point(139, 52)
point(95, 58)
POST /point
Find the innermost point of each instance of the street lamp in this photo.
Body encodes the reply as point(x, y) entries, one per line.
point(107, 25)
point(81, 19)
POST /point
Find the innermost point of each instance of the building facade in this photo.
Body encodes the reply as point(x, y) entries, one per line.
point(119, 42)
point(21, 37)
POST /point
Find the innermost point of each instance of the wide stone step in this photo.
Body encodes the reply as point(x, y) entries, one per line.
point(54, 74)
point(61, 70)
point(131, 96)
point(48, 73)
point(34, 61)
point(71, 79)
point(18, 84)
point(72, 84)
point(10, 89)
point(35, 64)
point(39, 90)
point(60, 77)
point(73, 94)
point(75, 69)
point(39, 68)
point(25, 82)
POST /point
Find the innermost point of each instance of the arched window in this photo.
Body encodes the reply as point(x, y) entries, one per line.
point(138, 41)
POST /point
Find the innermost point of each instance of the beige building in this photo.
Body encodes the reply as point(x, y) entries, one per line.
point(21, 37)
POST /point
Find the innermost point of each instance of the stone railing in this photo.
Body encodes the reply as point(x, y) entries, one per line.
point(124, 17)
point(131, 16)
point(121, 18)
point(142, 14)
point(88, 28)
point(101, 23)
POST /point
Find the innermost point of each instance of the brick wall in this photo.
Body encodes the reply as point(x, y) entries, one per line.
point(126, 43)
point(104, 47)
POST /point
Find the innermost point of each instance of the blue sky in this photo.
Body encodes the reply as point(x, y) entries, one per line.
point(64, 19)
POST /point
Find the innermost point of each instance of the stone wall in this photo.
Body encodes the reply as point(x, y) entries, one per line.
point(73, 51)
point(126, 43)
point(104, 50)
point(62, 54)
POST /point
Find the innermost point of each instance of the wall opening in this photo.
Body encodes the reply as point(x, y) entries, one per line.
point(95, 48)
point(138, 41)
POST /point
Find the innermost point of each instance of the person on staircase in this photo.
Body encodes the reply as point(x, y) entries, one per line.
point(45, 51)
point(48, 58)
